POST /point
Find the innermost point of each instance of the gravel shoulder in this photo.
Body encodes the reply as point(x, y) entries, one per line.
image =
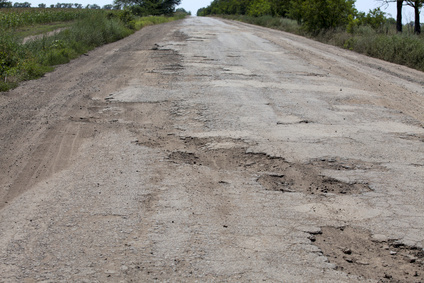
point(212, 150)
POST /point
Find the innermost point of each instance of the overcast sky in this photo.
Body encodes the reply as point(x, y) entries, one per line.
point(194, 5)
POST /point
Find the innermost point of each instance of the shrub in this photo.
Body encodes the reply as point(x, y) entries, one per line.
point(259, 8)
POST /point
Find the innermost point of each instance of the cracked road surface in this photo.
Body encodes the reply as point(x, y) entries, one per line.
point(210, 150)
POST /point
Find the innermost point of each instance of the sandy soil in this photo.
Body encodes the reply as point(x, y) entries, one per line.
point(38, 36)
point(208, 150)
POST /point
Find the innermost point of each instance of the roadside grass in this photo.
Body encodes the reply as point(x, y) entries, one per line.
point(22, 17)
point(404, 49)
point(155, 20)
point(20, 62)
point(41, 28)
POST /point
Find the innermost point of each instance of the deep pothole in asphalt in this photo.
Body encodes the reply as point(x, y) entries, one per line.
point(275, 173)
point(355, 251)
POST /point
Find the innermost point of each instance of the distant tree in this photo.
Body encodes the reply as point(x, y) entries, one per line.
point(108, 7)
point(5, 4)
point(417, 5)
point(22, 5)
point(64, 5)
point(259, 8)
point(149, 7)
point(42, 5)
point(201, 12)
point(296, 10)
point(77, 6)
point(182, 11)
point(317, 15)
point(52, 6)
point(168, 6)
point(399, 6)
point(279, 7)
point(375, 19)
point(95, 7)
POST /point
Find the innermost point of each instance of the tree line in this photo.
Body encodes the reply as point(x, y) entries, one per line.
point(137, 7)
point(415, 4)
point(6, 4)
point(148, 7)
point(315, 15)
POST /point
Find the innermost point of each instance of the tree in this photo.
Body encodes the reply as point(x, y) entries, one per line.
point(168, 6)
point(399, 6)
point(22, 5)
point(42, 5)
point(231, 7)
point(375, 19)
point(296, 10)
point(417, 5)
point(5, 4)
point(66, 5)
point(149, 7)
point(317, 15)
point(201, 12)
point(183, 11)
point(259, 8)
point(279, 7)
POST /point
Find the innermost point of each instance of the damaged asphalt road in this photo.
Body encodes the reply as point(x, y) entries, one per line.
point(211, 150)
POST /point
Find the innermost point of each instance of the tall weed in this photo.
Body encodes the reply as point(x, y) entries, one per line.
point(20, 62)
point(16, 62)
point(31, 60)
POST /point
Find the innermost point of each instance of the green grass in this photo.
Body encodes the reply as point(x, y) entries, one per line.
point(269, 22)
point(20, 62)
point(153, 20)
point(41, 28)
point(404, 49)
point(21, 17)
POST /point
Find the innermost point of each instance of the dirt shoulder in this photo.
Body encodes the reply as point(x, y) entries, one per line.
point(38, 36)
point(214, 151)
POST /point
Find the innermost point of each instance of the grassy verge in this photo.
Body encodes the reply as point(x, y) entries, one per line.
point(155, 20)
point(41, 29)
point(20, 62)
point(404, 49)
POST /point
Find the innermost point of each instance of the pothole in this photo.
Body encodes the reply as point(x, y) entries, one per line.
point(355, 251)
point(306, 181)
point(337, 163)
point(173, 67)
point(412, 137)
point(275, 173)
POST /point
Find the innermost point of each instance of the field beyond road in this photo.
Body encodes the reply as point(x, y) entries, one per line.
point(212, 150)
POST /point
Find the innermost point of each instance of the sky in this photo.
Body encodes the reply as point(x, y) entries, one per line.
point(194, 5)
